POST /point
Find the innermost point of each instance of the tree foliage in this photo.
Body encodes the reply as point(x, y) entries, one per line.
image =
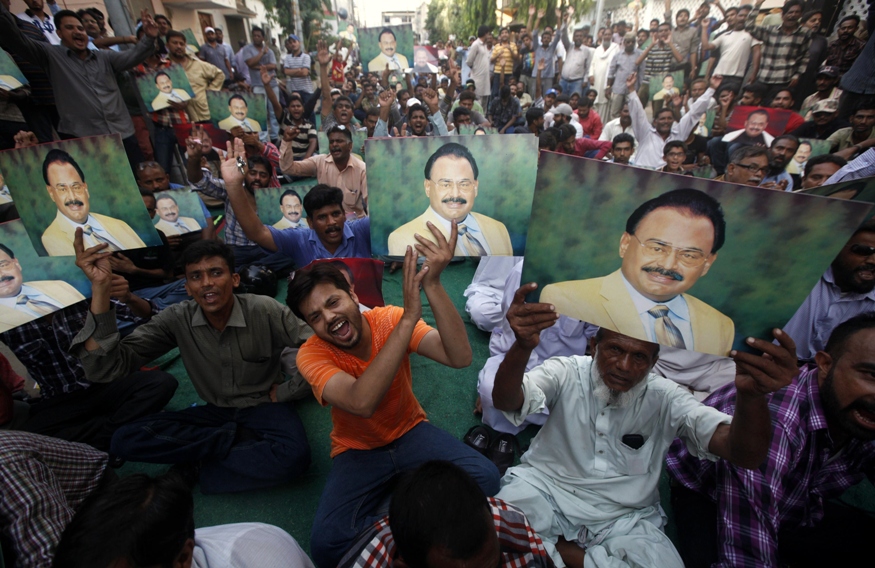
point(312, 12)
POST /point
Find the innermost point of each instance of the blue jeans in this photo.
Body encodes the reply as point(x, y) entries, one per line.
point(569, 87)
point(254, 254)
point(273, 126)
point(359, 485)
point(238, 448)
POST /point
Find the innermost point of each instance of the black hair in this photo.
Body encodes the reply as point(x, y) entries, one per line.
point(483, 30)
point(460, 111)
point(854, 17)
point(663, 110)
point(566, 131)
point(339, 129)
point(699, 203)
point(200, 250)
point(655, 20)
point(748, 151)
point(823, 159)
point(467, 95)
point(341, 98)
point(758, 89)
point(439, 506)
point(163, 17)
point(758, 111)
point(591, 90)
point(65, 14)
point(155, 515)
point(455, 150)
point(623, 137)
point(173, 34)
point(146, 193)
point(375, 111)
point(865, 104)
point(260, 160)
point(547, 141)
point(240, 97)
point(340, 265)
point(584, 102)
point(288, 192)
point(533, 114)
point(809, 14)
point(257, 29)
point(790, 4)
point(840, 336)
point(159, 73)
point(504, 92)
point(563, 98)
point(673, 144)
point(305, 280)
point(789, 137)
point(7, 250)
point(416, 108)
point(681, 11)
point(322, 195)
point(645, 32)
point(165, 195)
point(385, 31)
point(57, 156)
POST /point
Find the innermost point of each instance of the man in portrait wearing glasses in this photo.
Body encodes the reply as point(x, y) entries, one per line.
point(670, 242)
point(451, 186)
point(65, 183)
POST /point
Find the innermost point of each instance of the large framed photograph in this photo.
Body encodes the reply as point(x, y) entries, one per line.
point(684, 262)
point(388, 45)
point(160, 87)
point(229, 110)
point(283, 207)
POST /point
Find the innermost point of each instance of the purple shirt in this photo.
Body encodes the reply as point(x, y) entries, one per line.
point(802, 469)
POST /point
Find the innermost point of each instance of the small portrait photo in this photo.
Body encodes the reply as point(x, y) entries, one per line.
point(808, 148)
point(283, 207)
point(178, 212)
point(161, 87)
point(191, 41)
point(228, 110)
point(484, 183)
point(684, 262)
point(85, 184)
point(32, 286)
point(389, 45)
point(365, 277)
point(11, 77)
point(757, 122)
point(424, 59)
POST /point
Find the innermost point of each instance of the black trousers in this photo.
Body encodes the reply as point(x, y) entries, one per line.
point(841, 538)
point(91, 416)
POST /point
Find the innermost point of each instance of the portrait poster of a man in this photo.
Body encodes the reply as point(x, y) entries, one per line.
point(687, 263)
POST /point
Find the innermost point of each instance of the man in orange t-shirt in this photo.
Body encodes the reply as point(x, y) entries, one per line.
point(359, 364)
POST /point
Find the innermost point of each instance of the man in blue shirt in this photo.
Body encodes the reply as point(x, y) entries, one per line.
point(330, 235)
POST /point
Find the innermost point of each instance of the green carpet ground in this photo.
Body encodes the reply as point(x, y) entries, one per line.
point(447, 395)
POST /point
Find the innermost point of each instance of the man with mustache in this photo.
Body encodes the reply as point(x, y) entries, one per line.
point(670, 242)
point(451, 186)
point(787, 511)
point(170, 223)
point(21, 302)
point(780, 154)
point(65, 183)
point(845, 290)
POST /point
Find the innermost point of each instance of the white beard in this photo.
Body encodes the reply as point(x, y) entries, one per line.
point(605, 394)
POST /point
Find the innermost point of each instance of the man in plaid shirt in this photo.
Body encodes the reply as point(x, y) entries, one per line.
point(785, 48)
point(823, 444)
point(439, 516)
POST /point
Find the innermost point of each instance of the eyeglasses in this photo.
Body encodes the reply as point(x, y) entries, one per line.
point(753, 168)
point(657, 250)
point(676, 155)
point(862, 250)
point(464, 185)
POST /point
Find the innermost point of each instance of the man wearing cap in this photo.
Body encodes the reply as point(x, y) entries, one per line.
point(825, 121)
point(213, 53)
point(562, 114)
point(826, 81)
point(296, 67)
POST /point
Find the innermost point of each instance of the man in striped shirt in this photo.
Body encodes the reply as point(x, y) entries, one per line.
point(785, 48)
point(845, 290)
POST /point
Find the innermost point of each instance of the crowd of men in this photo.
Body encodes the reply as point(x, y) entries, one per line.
point(758, 446)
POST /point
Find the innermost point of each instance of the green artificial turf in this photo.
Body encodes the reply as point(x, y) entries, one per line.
point(447, 395)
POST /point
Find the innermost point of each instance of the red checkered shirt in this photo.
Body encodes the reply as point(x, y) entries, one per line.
point(166, 116)
point(520, 546)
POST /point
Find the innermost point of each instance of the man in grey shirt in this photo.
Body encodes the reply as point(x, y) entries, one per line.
point(84, 82)
point(248, 435)
point(622, 66)
point(229, 51)
point(213, 52)
point(254, 56)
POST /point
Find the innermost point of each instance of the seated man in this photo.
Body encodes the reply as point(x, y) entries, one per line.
point(845, 290)
point(260, 171)
point(359, 363)
point(588, 483)
point(330, 234)
point(486, 289)
point(438, 516)
point(152, 177)
point(43, 481)
point(419, 122)
point(623, 149)
point(158, 515)
point(748, 165)
point(820, 168)
point(782, 513)
point(781, 153)
point(246, 436)
point(338, 168)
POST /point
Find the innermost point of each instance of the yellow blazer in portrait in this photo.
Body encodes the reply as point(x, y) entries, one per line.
point(169, 229)
point(58, 237)
point(230, 122)
point(378, 63)
point(606, 302)
point(495, 233)
point(57, 290)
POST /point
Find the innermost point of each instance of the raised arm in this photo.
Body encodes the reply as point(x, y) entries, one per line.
point(323, 56)
point(640, 126)
point(124, 60)
point(527, 322)
point(16, 42)
point(745, 442)
point(688, 121)
point(386, 100)
point(241, 200)
point(271, 96)
point(362, 396)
